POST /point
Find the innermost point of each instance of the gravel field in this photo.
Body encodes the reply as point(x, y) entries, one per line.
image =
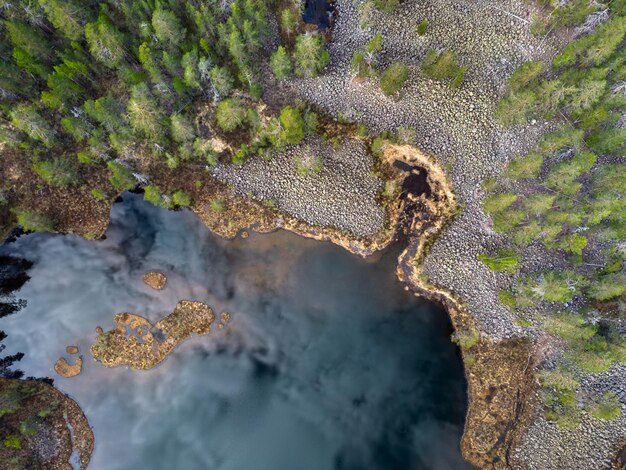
point(457, 126)
point(342, 194)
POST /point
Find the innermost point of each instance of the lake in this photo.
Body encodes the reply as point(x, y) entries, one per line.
point(327, 362)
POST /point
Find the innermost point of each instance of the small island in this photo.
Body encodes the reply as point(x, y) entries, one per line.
point(141, 345)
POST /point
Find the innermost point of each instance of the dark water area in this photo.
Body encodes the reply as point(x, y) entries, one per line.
point(327, 362)
point(318, 12)
point(416, 183)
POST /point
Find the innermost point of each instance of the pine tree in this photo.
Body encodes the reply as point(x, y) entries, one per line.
point(146, 117)
point(310, 55)
point(106, 43)
point(280, 63)
point(167, 28)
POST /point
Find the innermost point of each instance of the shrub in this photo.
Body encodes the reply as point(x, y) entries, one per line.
point(498, 202)
point(527, 166)
point(422, 27)
point(281, 64)
point(526, 233)
point(293, 125)
point(442, 66)
point(507, 219)
point(516, 108)
point(33, 221)
point(539, 203)
point(153, 195)
point(562, 138)
point(12, 441)
point(559, 397)
point(573, 242)
point(216, 205)
point(507, 299)
point(505, 260)
point(181, 198)
point(608, 286)
point(525, 74)
point(98, 194)
point(466, 339)
point(230, 114)
point(121, 177)
point(309, 55)
point(393, 78)
point(59, 171)
point(606, 406)
point(386, 6)
point(557, 286)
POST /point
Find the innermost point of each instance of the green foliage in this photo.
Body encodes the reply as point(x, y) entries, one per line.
point(32, 221)
point(566, 137)
point(181, 128)
point(217, 205)
point(526, 167)
point(443, 66)
point(309, 55)
point(393, 78)
point(386, 6)
point(293, 125)
point(608, 287)
point(222, 80)
point(27, 118)
point(280, 63)
point(538, 204)
point(466, 339)
point(606, 406)
point(422, 27)
point(230, 114)
point(145, 115)
point(525, 74)
point(558, 391)
point(288, 22)
point(181, 198)
point(106, 42)
point(121, 177)
point(98, 194)
point(153, 195)
point(507, 219)
point(60, 171)
point(168, 28)
point(507, 298)
point(12, 441)
point(562, 176)
point(516, 107)
point(506, 259)
point(498, 202)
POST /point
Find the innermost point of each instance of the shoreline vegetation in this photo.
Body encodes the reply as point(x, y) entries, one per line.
point(518, 237)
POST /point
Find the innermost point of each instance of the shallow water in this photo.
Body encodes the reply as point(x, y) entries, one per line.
point(318, 12)
point(327, 362)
